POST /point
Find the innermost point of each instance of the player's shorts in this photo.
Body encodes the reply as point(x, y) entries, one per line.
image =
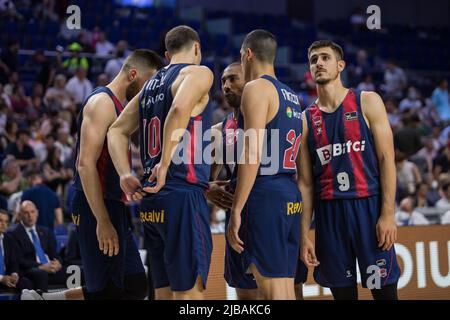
point(176, 224)
point(346, 231)
point(237, 276)
point(99, 268)
point(271, 227)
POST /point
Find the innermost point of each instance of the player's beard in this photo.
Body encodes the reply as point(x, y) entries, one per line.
point(233, 100)
point(325, 81)
point(132, 90)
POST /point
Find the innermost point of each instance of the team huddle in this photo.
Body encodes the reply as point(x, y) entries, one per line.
point(335, 158)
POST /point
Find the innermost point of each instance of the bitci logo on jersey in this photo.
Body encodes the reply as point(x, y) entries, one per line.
point(327, 152)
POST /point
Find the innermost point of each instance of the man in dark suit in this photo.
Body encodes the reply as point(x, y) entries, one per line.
point(37, 247)
point(10, 281)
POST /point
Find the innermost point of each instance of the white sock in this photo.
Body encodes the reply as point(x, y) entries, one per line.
point(60, 295)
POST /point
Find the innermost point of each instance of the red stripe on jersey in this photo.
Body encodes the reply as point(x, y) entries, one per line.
point(191, 177)
point(353, 133)
point(320, 136)
point(117, 103)
point(102, 164)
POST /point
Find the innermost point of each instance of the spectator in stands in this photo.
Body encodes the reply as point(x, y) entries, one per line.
point(10, 280)
point(64, 144)
point(8, 136)
point(391, 109)
point(10, 56)
point(79, 87)
point(428, 152)
point(57, 97)
point(445, 219)
point(407, 216)
point(359, 71)
point(8, 10)
point(102, 80)
point(75, 61)
point(444, 202)
point(412, 100)
point(45, 10)
point(19, 100)
point(442, 161)
point(46, 201)
point(55, 174)
point(440, 99)
point(103, 47)
point(311, 88)
point(367, 84)
point(408, 139)
point(4, 97)
point(45, 72)
point(37, 245)
point(11, 179)
point(423, 196)
point(113, 66)
point(395, 80)
point(22, 151)
point(408, 175)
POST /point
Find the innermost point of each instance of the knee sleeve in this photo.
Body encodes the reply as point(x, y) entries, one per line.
point(385, 293)
point(135, 287)
point(345, 293)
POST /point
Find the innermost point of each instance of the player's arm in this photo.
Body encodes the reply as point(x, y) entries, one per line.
point(216, 192)
point(215, 166)
point(196, 82)
point(255, 108)
point(98, 114)
point(306, 185)
point(375, 112)
point(118, 142)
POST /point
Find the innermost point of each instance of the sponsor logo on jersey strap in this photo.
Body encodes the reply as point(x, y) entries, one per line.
point(317, 120)
point(349, 116)
point(152, 216)
point(294, 208)
point(76, 219)
point(292, 113)
point(327, 152)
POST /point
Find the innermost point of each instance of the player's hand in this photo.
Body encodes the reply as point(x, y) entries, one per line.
point(159, 173)
point(14, 278)
point(132, 187)
point(233, 232)
point(308, 253)
point(218, 196)
point(386, 232)
point(108, 240)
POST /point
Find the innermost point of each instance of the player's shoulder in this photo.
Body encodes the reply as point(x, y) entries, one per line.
point(259, 86)
point(369, 97)
point(98, 103)
point(202, 71)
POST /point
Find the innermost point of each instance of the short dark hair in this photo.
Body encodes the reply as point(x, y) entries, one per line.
point(3, 211)
point(445, 186)
point(263, 44)
point(337, 49)
point(180, 38)
point(143, 58)
point(23, 132)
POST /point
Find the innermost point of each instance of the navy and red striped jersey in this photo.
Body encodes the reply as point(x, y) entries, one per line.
point(282, 135)
point(342, 151)
point(109, 178)
point(189, 163)
point(229, 140)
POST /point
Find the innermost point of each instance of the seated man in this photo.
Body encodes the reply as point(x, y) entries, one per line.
point(37, 247)
point(10, 282)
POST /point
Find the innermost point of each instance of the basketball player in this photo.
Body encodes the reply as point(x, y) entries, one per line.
point(111, 262)
point(172, 111)
point(347, 167)
point(267, 200)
